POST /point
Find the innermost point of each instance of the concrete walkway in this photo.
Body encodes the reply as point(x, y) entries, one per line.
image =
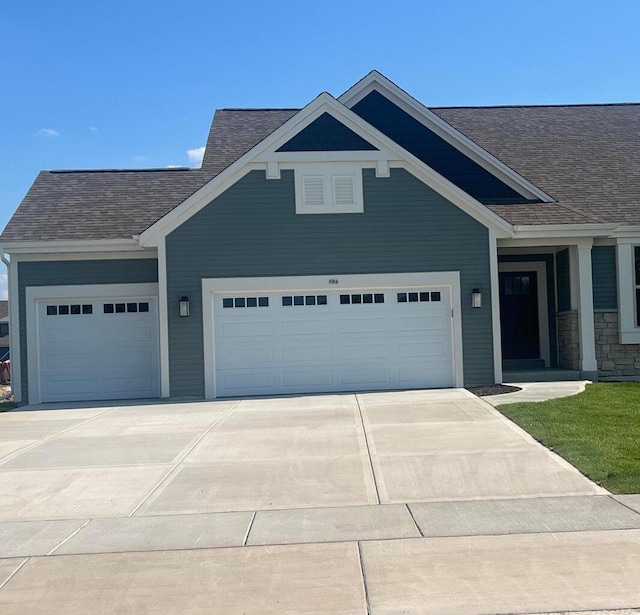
point(538, 391)
point(414, 502)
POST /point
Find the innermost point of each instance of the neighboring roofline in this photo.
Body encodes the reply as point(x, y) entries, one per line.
point(149, 170)
point(78, 245)
point(263, 156)
point(377, 81)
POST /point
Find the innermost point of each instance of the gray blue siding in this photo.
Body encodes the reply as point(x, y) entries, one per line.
point(67, 273)
point(252, 230)
point(326, 134)
point(435, 151)
point(564, 281)
point(605, 291)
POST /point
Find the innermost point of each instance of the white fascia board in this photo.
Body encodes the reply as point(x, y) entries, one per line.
point(92, 245)
point(376, 81)
point(262, 154)
point(542, 231)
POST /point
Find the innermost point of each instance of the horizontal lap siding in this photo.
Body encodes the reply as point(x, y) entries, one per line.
point(252, 230)
point(605, 291)
point(71, 273)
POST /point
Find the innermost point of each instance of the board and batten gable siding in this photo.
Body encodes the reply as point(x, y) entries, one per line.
point(71, 273)
point(326, 134)
point(605, 282)
point(252, 230)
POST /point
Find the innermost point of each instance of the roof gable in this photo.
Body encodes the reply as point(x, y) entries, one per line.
point(267, 155)
point(326, 134)
point(435, 151)
point(376, 82)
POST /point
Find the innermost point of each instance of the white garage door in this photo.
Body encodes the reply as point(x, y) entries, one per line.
point(92, 349)
point(315, 341)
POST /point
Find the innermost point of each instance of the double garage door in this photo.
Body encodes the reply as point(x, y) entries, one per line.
point(325, 340)
point(96, 348)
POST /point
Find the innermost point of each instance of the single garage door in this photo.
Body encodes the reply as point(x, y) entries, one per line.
point(346, 340)
point(93, 349)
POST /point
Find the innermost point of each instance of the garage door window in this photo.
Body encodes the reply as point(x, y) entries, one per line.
point(241, 302)
point(302, 300)
point(361, 298)
point(415, 297)
point(124, 308)
point(65, 310)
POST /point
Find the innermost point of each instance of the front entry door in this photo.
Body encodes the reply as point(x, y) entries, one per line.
point(519, 315)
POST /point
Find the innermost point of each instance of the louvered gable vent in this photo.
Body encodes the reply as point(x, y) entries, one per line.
point(343, 190)
point(313, 190)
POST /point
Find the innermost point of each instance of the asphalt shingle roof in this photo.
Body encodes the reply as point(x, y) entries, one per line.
point(585, 156)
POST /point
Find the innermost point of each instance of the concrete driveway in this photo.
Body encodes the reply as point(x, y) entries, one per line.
point(413, 502)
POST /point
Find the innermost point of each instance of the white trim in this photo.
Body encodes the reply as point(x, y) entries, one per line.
point(263, 150)
point(33, 294)
point(14, 330)
point(588, 361)
point(163, 319)
point(495, 308)
point(368, 281)
point(89, 245)
point(534, 231)
point(549, 241)
point(376, 81)
point(629, 331)
point(540, 267)
point(151, 254)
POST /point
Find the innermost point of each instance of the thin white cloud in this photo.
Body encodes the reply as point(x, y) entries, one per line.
point(195, 156)
point(47, 132)
point(93, 129)
point(173, 166)
point(3, 286)
point(140, 158)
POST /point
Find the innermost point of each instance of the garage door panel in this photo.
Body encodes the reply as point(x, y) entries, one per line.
point(422, 322)
point(414, 350)
point(353, 326)
point(364, 351)
point(343, 344)
point(307, 353)
point(303, 380)
point(246, 328)
point(231, 356)
point(312, 326)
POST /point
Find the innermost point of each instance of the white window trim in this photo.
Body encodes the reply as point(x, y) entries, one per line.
point(328, 172)
point(625, 252)
point(316, 283)
point(35, 294)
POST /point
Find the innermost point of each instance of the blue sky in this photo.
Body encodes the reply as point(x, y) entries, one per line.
point(134, 84)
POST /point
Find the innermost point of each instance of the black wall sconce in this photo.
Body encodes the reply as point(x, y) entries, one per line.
point(184, 306)
point(476, 298)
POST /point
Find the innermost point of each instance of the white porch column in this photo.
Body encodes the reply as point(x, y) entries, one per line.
point(585, 308)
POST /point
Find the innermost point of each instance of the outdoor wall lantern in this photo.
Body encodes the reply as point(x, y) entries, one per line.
point(476, 298)
point(184, 306)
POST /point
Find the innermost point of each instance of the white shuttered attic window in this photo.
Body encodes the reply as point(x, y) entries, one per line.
point(313, 190)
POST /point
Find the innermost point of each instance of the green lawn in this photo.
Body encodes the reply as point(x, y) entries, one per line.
point(598, 431)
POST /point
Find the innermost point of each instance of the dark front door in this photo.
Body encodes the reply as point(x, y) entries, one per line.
point(519, 315)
